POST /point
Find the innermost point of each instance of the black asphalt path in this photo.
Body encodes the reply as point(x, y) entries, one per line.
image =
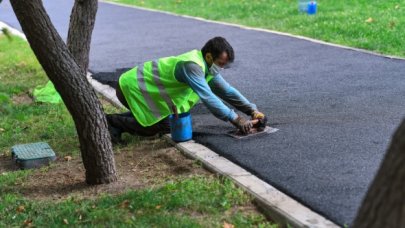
point(336, 109)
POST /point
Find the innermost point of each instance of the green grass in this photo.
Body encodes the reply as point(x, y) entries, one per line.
point(337, 21)
point(20, 73)
point(10, 179)
point(194, 202)
point(199, 201)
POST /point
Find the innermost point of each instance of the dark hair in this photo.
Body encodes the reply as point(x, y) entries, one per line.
point(216, 46)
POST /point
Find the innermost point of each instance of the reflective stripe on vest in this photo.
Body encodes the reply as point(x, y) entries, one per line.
point(145, 94)
point(162, 90)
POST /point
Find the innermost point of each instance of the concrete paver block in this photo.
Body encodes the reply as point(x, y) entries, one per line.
point(196, 150)
point(254, 184)
point(227, 168)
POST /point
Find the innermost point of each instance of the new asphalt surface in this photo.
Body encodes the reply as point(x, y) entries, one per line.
point(336, 109)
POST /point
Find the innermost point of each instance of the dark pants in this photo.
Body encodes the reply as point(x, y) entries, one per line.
point(126, 122)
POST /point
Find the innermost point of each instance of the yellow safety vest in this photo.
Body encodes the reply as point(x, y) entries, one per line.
point(153, 92)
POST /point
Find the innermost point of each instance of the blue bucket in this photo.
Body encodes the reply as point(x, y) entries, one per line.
point(180, 127)
point(311, 8)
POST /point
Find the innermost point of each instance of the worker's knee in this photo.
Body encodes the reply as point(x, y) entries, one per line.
point(126, 122)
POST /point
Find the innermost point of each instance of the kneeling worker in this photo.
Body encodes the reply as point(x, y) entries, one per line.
point(157, 89)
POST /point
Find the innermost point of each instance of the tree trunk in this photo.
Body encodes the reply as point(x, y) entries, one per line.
point(384, 204)
point(70, 81)
point(81, 26)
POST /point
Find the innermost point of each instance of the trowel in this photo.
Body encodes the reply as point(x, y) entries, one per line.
point(259, 128)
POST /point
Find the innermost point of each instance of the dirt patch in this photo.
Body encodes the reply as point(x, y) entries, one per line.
point(22, 98)
point(148, 163)
point(6, 163)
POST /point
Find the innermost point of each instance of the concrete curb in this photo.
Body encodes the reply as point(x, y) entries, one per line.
point(280, 207)
point(12, 30)
point(259, 29)
point(277, 205)
point(107, 91)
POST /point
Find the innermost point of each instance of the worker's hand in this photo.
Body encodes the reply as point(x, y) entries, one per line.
point(242, 124)
point(257, 115)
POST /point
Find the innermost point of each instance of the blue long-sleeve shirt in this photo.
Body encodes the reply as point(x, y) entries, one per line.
point(209, 93)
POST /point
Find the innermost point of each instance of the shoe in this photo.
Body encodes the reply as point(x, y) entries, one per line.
point(115, 133)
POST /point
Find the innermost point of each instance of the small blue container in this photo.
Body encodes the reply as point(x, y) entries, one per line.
point(181, 127)
point(303, 6)
point(311, 8)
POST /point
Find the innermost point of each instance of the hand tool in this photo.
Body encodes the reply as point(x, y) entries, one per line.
point(259, 127)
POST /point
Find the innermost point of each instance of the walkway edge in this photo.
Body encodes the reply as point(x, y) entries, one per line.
point(258, 29)
point(12, 30)
point(280, 207)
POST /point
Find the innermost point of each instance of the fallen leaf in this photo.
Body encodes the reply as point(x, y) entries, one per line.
point(227, 225)
point(65, 221)
point(22, 64)
point(158, 206)
point(397, 6)
point(80, 217)
point(1, 129)
point(93, 206)
point(68, 158)
point(369, 20)
point(7, 153)
point(20, 209)
point(28, 222)
point(124, 204)
point(391, 24)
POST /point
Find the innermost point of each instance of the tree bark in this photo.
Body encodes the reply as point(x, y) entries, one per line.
point(82, 20)
point(70, 81)
point(384, 204)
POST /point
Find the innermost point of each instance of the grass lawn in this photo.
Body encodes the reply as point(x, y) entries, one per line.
point(191, 202)
point(369, 24)
point(21, 120)
point(157, 186)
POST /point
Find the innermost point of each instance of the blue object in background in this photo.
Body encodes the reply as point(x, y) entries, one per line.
point(303, 6)
point(180, 127)
point(311, 10)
